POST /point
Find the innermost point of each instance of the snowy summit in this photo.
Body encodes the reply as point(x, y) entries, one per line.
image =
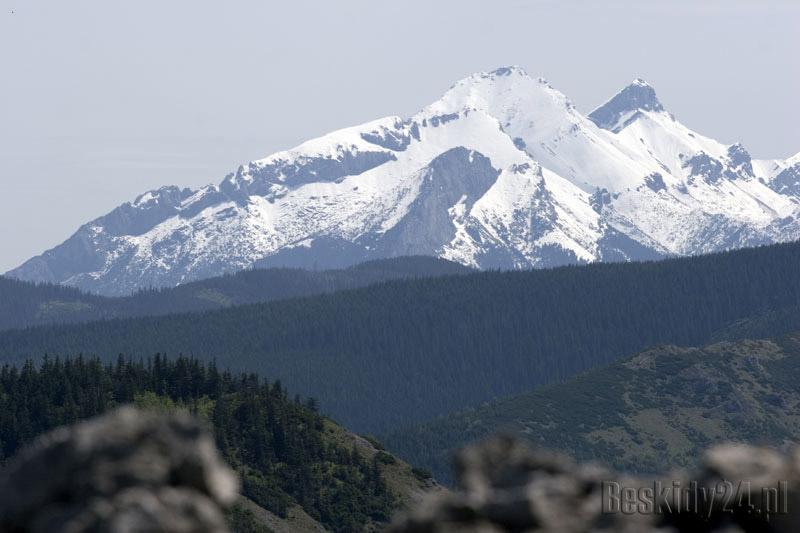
point(501, 172)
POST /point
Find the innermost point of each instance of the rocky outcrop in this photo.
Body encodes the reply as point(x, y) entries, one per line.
point(505, 487)
point(127, 471)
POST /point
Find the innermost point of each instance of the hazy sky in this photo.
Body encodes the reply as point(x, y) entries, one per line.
point(101, 100)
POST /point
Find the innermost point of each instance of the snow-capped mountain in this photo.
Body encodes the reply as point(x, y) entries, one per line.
point(502, 171)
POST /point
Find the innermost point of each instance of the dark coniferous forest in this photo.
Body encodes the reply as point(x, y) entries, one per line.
point(280, 445)
point(24, 304)
point(404, 351)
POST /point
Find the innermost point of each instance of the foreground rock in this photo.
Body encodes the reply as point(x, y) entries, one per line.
point(127, 471)
point(505, 487)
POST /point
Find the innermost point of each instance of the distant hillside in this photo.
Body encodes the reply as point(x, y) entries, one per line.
point(299, 470)
point(406, 351)
point(647, 413)
point(24, 304)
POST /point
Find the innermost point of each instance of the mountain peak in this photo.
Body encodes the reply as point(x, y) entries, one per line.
point(497, 91)
point(509, 71)
point(622, 109)
point(639, 95)
point(507, 74)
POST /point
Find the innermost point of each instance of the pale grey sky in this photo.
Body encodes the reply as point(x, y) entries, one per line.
point(101, 100)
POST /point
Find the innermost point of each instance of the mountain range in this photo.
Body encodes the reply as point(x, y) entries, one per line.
point(502, 171)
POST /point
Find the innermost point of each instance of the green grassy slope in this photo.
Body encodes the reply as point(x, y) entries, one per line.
point(647, 413)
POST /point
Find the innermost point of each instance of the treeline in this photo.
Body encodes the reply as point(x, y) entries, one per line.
point(24, 304)
point(279, 445)
point(404, 351)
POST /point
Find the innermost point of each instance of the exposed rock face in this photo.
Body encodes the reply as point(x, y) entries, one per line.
point(127, 471)
point(618, 112)
point(505, 487)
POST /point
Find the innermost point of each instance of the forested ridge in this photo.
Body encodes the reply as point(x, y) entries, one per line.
point(25, 304)
point(285, 452)
point(649, 413)
point(404, 351)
